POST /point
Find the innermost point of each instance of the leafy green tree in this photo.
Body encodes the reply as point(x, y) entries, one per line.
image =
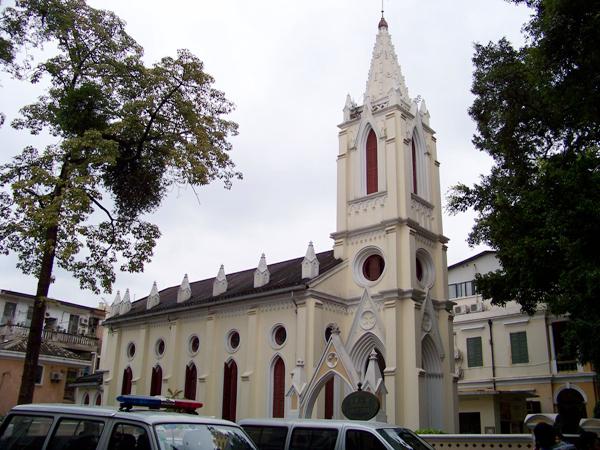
point(537, 110)
point(124, 134)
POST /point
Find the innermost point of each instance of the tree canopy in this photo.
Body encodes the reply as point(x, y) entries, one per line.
point(124, 134)
point(537, 110)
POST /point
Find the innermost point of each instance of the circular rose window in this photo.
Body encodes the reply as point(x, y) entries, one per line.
point(131, 350)
point(279, 335)
point(373, 267)
point(160, 347)
point(194, 344)
point(233, 340)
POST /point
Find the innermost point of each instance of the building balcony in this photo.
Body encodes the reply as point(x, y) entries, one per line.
point(76, 342)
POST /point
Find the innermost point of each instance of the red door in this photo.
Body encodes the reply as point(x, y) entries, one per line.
point(279, 388)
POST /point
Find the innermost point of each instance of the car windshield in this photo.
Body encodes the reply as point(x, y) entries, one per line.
point(197, 436)
point(403, 439)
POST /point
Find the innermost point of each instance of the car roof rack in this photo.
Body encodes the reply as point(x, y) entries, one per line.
point(127, 402)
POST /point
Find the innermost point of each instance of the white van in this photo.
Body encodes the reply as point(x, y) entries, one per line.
point(72, 427)
point(308, 434)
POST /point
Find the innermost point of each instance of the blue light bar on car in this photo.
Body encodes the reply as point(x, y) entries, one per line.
point(129, 401)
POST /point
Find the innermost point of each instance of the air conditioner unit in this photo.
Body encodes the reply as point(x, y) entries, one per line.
point(56, 376)
point(460, 309)
point(83, 321)
point(476, 307)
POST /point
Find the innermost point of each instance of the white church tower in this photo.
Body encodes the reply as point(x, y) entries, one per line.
point(389, 229)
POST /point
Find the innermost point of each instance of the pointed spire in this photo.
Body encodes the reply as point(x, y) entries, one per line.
point(220, 283)
point(424, 113)
point(310, 263)
point(385, 72)
point(261, 274)
point(348, 107)
point(185, 291)
point(153, 298)
point(115, 308)
point(125, 304)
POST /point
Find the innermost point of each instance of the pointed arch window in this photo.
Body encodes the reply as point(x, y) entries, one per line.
point(278, 388)
point(98, 399)
point(156, 382)
point(127, 377)
point(229, 390)
point(371, 163)
point(86, 399)
point(414, 166)
point(191, 377)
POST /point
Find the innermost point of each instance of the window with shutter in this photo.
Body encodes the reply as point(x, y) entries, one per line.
point(371, 162)
point(156, 381)
point(518, 347)
point(230, 374)
point(127, 377)
point(474, 352)
point(191, 375)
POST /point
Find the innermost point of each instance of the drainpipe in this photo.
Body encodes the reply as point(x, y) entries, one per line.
point(493, 360)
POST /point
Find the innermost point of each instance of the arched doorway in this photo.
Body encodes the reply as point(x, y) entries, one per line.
point(230, 373)
point(156, 381)
point(432, 398)
point(278, 383)
point(191, 377)
point(126, 385)
point(570, 406)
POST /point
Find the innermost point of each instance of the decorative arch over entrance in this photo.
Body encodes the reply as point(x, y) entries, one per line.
point(335, 363)
point(570, 404)
point(432, 385)
point(362, 349)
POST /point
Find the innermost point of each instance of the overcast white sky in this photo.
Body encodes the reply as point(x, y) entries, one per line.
point(288, 65)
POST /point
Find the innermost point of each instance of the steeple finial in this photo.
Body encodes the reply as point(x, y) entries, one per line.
point(382, 22)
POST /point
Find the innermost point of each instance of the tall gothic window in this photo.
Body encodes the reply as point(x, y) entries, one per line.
point(371, 157)
point(156, 382)
point(229, 390)
point(127, 377)
point(414, 166)
point(278, 388)
point(191, 377)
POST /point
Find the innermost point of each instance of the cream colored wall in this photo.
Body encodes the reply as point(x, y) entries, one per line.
point(486, 407)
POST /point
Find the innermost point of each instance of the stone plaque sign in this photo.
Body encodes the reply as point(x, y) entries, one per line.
point(360, 405)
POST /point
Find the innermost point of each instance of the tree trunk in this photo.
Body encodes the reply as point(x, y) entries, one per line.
point(34, 340)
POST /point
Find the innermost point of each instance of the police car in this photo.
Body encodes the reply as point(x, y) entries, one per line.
point(141, 423)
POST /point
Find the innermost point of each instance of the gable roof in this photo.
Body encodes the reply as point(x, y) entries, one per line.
point(471, 258)
point(283, 275)
point(19, 344)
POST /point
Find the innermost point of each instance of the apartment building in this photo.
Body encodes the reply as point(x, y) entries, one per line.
point(509, 363)
point(71, 343)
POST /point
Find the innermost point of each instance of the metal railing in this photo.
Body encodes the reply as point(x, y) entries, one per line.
point(58, 337)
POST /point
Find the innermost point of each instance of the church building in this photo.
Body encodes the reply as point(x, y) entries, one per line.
point(294, 338)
